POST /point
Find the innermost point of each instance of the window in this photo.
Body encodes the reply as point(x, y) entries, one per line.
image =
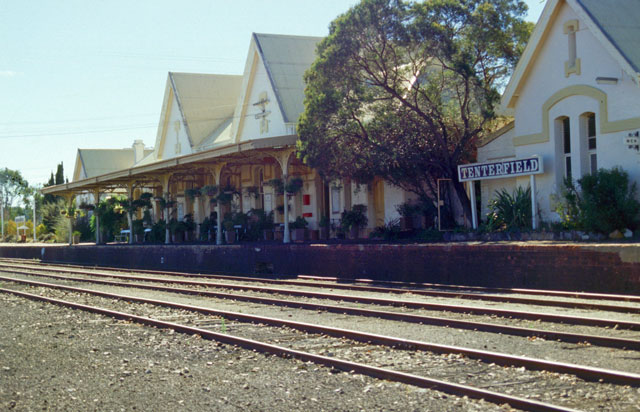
point(572, 65)
point(335, 200)
point(591, 143)
point(566, 144)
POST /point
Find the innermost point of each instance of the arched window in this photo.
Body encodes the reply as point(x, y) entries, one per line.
point(566, 145)
point(591, 142)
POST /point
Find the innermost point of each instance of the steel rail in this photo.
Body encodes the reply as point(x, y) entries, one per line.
point(575, 320)
point(595, 340)
point(376, 372)
point(401, 287)
point(581, 371)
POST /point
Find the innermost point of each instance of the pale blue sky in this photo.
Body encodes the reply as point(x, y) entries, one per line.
point(91, 74)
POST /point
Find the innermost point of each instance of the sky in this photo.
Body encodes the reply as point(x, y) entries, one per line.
point(91, 73)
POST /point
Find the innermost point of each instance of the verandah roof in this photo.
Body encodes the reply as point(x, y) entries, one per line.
point(248, 152)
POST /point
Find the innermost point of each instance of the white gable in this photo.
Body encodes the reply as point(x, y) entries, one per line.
point(253, 119)
point(172, 139)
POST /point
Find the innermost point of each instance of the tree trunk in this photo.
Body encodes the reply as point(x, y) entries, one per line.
point(461, 193)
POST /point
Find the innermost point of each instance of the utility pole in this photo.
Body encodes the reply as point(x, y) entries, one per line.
point(34, 217)
point(2, 214)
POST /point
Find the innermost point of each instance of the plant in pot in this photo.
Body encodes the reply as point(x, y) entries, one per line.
point(353, 220)
point(293, 186)
point(192, 193)
point(229, 231)
point(298, 228)
point(253, 191)
point(277, 184)
point(209, 190)
point(177, 230)
point(189, 226)
point(76, 237)
point(325, 227)
point(138, 230)
point(407, 211)
point(267, 225)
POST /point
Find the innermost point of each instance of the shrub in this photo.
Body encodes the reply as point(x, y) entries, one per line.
point(389, 231)
point(510, 211)
point(607, 201)
point(356, 217)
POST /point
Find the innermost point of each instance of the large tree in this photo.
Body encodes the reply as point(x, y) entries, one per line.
point(404, 90)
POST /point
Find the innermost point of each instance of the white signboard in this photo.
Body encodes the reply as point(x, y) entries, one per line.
point(500, 169)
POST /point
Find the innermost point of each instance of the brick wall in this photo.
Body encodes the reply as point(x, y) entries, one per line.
point(613, 269)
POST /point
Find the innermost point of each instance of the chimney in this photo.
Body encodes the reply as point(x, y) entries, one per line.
point(138, 151)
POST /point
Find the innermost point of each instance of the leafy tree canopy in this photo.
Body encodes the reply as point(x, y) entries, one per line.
point(13, 187)
point(404, 89)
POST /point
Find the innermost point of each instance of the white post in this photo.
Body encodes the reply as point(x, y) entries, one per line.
point(474, 212)
point(34, 218)
point(96, 196)
point(218, 223)
point(287, 233)
point(534, 220)
point(1, 215)
point(196, 215)
point(129, 217)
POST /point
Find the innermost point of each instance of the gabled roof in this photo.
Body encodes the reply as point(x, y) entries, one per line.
point(96, 162)
point(286, 58)
point(619, 21)
point(206, 101)
point(613, 22)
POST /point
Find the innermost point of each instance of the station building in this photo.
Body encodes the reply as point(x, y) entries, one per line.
point(234, 131)
point(574, 97)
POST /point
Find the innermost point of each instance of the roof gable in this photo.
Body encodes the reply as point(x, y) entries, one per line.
point(206, 101)
point(286, 58)
point(96, 162)
point(606, 26)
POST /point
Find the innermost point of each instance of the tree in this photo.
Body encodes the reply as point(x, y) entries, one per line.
point(404, 90)
point(13, 187)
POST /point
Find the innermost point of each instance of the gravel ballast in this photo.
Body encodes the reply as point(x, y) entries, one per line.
point(54, 358)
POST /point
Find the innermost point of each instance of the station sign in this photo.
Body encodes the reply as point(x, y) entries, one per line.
point(500, 169)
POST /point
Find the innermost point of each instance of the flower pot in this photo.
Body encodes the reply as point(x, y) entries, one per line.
point(278, 235)
point(297, 235)
point(268, 234)
point(354, 232)
point(324, 233)
point(314, 234)
point(76, 239)
point(230, 236)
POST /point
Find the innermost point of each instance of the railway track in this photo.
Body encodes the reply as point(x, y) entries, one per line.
point(606, 341)
point(417, 289)
point(360, 357)
point(315, 342)
point(412, 304)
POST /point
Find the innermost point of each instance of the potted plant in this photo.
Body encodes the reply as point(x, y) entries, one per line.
point(138, 230)
point(354, 219)
point(253, 191)
point(189, 226)
point(325, 227)
point(298, 228)
point(230, 233)
point(76, 237)
point(293, 186)
point(209, 190)
point(177, 230)
point(277, 184)
point(192, 193)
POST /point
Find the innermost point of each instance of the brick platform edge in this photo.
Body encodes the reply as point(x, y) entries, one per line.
point(594, 268)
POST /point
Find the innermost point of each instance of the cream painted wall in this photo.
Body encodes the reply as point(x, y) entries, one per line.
point(250, 125)
point(172, 137)
point(547, 77)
